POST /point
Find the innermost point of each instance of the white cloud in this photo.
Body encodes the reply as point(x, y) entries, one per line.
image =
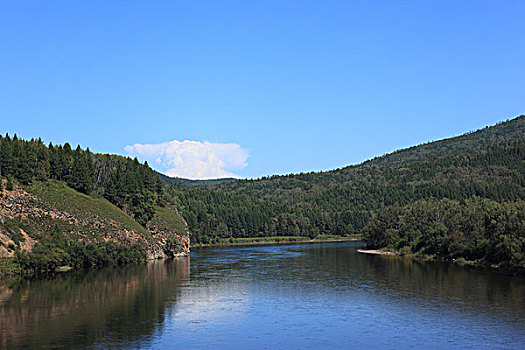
point(193, 159)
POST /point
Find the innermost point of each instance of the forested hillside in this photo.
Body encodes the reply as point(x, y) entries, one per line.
point(470, 231)
point(187, 183)
point(488, 163)
point(123, 181)
point(61, 206)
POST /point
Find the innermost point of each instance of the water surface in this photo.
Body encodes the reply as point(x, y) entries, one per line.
point(305, 296)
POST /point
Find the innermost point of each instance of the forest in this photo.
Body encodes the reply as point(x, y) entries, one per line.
point(123, 181)
point(473, 230)
point(485, 164)
point(390, 200)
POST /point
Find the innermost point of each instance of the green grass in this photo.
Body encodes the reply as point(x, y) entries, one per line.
point(77, 236)
point(276, 239)
point(166, 219)
point(59, 196)
point(266, 239)
point(354, 236)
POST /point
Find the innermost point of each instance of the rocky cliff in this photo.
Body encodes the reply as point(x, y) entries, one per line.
point(31, 213)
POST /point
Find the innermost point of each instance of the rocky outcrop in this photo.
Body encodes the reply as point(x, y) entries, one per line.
point(168, 245)
point(15, 204)
point(25, 218)
point(167, 242)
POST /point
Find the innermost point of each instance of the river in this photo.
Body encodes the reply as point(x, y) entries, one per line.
point(307, 296)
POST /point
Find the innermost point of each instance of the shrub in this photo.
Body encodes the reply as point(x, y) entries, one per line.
point(9, 186)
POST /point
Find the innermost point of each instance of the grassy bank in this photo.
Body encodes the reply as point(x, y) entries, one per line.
point(277, 240)
point(47, 227)
point(58, 196)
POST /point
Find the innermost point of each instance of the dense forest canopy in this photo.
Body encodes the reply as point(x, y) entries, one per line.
point(475, 229)
point(488, 163)
point(188, 183)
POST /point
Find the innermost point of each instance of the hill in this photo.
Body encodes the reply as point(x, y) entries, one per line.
point(187, 183)
point(487, 163)
point(71, 207)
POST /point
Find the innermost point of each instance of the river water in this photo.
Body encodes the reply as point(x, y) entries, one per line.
point(307, 296)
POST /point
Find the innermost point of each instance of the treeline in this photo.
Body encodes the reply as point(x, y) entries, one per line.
point(212, 215)
point(123, 181)
point(58, 250)
point(477, 229)
point(489, 164)
point(343, 202)
point(187, 183)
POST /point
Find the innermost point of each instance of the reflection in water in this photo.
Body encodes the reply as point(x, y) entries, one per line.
point(408, 280)
point(296, 296)
point(114, 306)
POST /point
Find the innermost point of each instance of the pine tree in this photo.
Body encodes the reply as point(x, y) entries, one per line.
point(81, 177)
point(24, 158)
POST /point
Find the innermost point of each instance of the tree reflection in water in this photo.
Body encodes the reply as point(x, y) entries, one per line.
point(295, 296)
point(116, 306)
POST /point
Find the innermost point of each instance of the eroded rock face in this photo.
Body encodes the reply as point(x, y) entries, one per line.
point(14, 204)
point(20, 206)
point(168, 245)
point(4, 253)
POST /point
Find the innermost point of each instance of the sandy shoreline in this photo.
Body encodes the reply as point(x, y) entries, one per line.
point(376, 252)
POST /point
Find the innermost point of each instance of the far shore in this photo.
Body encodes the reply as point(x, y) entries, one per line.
point(277, 241)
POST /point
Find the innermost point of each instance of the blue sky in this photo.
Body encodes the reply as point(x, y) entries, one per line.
point(252, 88)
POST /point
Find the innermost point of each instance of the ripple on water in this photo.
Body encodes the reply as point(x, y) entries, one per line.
point(306, 296)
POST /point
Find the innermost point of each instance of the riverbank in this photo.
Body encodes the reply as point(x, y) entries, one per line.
point(477, 264)
point(10, 268)
point(227, 242)
point(377, 252)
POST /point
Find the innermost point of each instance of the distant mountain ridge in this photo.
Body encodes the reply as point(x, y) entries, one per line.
point(510, 130)
point(188, 183)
